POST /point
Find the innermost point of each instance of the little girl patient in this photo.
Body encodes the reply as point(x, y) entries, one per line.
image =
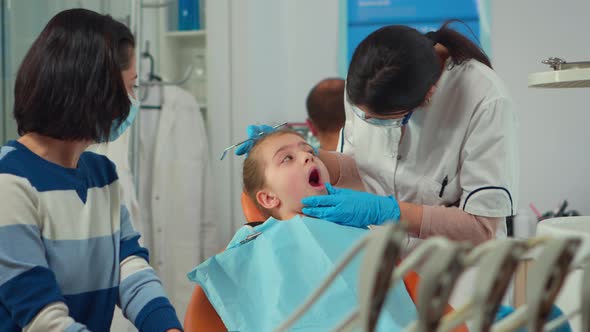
point(280, 170)
point(269, 270)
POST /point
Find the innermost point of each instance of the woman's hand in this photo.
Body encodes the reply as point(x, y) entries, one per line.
point(352, 208)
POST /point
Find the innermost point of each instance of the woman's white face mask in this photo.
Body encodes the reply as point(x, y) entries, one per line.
point(392, 123)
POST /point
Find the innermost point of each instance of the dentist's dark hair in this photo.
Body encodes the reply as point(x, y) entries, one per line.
point(69, 85)
point(393, 69)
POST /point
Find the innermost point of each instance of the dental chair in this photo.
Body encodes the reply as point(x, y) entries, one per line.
point(201, 316)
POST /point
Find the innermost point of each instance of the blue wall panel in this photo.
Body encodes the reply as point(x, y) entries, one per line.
point(399, 11)
point(366, 16)
point(357, 33)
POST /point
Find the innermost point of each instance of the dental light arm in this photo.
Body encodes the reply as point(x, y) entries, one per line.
point(368, 305)
point(496, 261)
point(382, 245)
point(558, 254)
point(439, 276)
point(418, 257)
point(377, 267)
point(377, 277)
point(546, 278)
point(584, 307)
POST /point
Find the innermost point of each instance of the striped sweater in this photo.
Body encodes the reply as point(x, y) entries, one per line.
point(68, 250)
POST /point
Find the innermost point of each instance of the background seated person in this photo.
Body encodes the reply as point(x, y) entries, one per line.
point(325, 111)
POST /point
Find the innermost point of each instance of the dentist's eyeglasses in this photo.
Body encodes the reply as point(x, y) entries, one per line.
point(392, 123)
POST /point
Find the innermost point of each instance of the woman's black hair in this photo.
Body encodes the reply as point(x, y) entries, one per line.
point(460, 47)
point(393, 69)
point(70, 84)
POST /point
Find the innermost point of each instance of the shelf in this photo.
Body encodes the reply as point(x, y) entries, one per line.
point(566, 78)
point(187, 34)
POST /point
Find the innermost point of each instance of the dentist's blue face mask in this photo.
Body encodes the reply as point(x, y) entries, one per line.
point(119, 126)
point(392, 123)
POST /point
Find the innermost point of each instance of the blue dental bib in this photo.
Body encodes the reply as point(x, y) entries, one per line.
point(268, 271)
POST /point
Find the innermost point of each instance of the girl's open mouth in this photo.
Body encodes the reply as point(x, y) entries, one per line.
point(314, 178)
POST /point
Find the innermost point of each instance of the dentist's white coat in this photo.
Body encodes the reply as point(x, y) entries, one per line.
point(466, 135)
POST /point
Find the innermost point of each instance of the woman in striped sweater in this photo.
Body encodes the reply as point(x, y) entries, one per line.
point(68, 249)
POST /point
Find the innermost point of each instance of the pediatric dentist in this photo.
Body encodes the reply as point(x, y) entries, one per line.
point(431, 132)
point(68, 249)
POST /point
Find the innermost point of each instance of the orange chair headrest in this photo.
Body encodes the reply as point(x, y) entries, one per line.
point(251, 211)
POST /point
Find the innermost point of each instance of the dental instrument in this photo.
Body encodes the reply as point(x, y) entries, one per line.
point(248, 140)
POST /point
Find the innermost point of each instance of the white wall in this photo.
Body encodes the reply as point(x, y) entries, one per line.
point(554, 134)
point(277, 50)
point(311, 49)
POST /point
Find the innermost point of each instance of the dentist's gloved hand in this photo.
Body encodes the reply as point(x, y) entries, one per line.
point(352, 208)
point(254, 132)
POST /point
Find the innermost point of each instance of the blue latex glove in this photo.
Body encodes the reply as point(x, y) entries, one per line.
point(254, 133)
point(351, 208)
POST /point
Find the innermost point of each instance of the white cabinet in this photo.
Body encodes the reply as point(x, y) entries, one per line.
point(181, 50)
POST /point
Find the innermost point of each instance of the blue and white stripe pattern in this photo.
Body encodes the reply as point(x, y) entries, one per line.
point(65, 239)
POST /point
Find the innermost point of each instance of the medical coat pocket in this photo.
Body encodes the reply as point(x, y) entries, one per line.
point(434, 193)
